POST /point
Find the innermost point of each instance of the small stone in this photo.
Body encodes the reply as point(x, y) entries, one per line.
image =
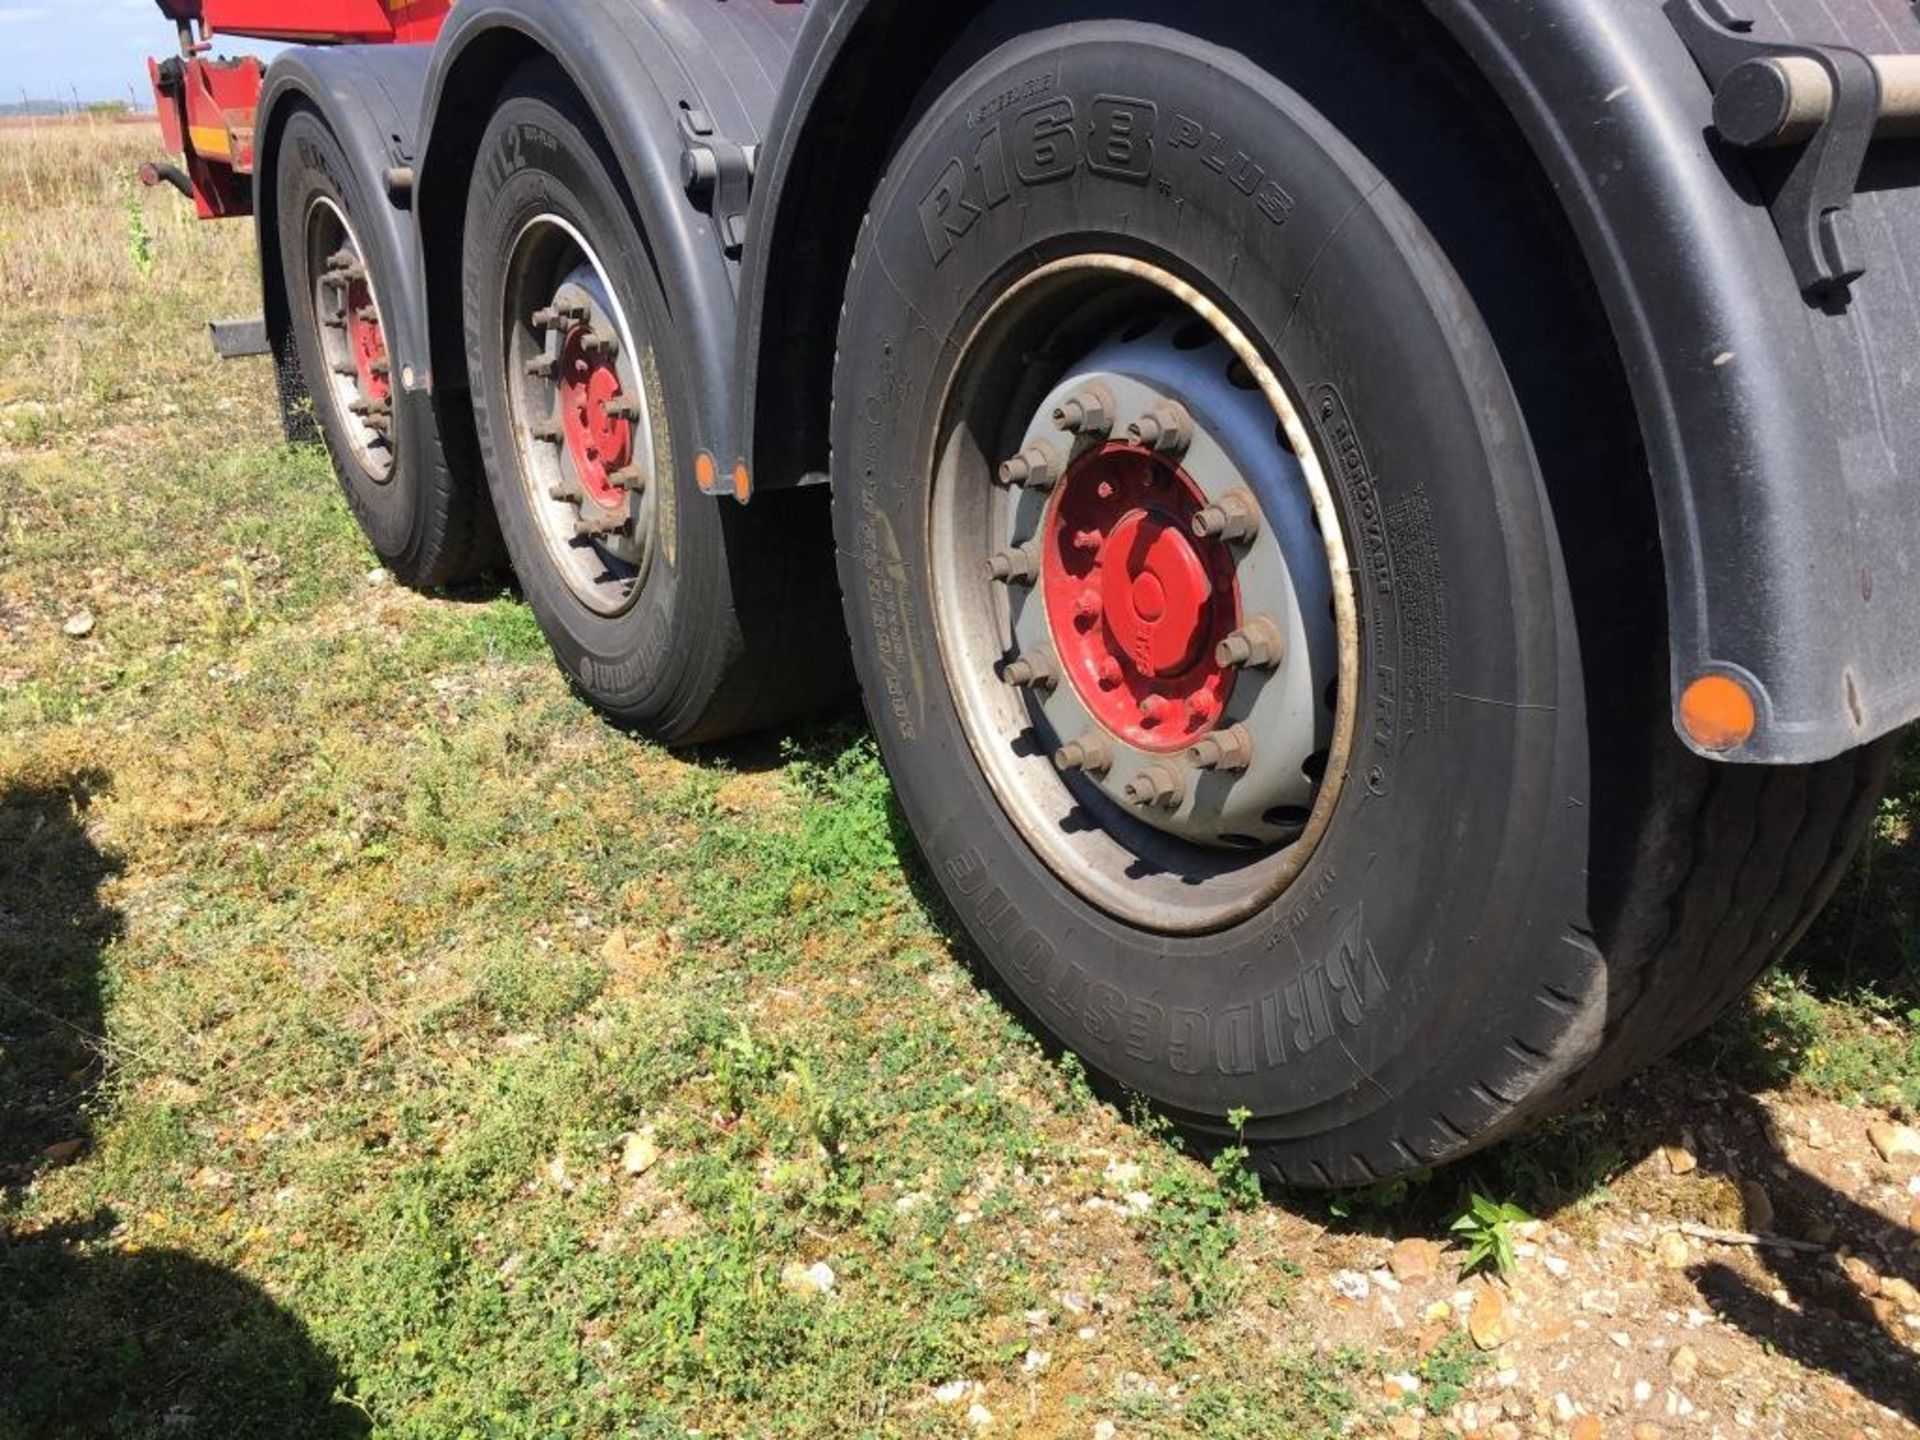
point(815, 1279)
point(979, 1416)
point(64, 1152)
point(1642, 1391)
point(1818, 1136)
point(953, 1392)
point(1563, 1408)
point(1757, 1205)
point(1684, 1365)
point(1139, 1201)
point(79, 624)
point(1490, 1322)
point(1901, 1292)
point(1036, 1361)
point(1105, 1430)
point(1350, 1285)
point(1672, 1250)
point(1405, 1427)
point(639, 1152)
point(377, 578)
point(1681, 1160)
point(1587, 1427)
point(1894, 1142)
point(1401, 1385)
point(1503, 1430)
point(1414, 1261)
point(1646, 1430)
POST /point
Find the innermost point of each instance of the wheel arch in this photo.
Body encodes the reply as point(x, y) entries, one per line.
point(1751, 477)
point(640, 71)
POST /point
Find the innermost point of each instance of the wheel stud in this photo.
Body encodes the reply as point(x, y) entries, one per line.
point(1089, 753)
point(1236, 518)
point(1088, 540)
point(560, 317)
point(1015, 567)
point(1109, 673)
point(1158, 787)
point(632, 479)
point(1167, 430)
point(371, 409)
point(1087, 606)
point(1035, 468)
point(1087, 413)
point(339, 260)
point(543, 367)
point(1230, 750)
point(594, 527)
point(567, 492)
point(547, 434)
point(380, 369)
point(1257, 645)
point(600, 344)
point(1154, 711)
point(628, 410)
point(346, 369)
point(1031, 672)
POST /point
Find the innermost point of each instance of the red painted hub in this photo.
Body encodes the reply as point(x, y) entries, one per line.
point(601, 444)
point(368, 342)
point(1136, 604)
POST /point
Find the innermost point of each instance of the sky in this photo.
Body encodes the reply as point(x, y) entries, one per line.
point(53, 49)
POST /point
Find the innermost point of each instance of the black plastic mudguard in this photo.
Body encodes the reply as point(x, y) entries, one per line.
point(684, 93)
point(1783, 431)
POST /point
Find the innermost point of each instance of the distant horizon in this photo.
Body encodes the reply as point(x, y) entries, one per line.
point(50, 58)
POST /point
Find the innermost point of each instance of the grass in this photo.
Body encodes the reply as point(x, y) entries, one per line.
point(343, 952)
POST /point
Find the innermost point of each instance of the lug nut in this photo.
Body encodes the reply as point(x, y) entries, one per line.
point(1015, 567)
point(336, 320)
point(560, 317)
point(1167, 429)
point(547, 434)
point(1087, 606)
point(1109, 673)
point(594, 527)
point(1230, 750)
point(1035, 468)
point(600, 344)
point(340, 259)
point(1090, 753)
point(567, 492)
point(1031, 672)
point(1158, 787)
point(346, 369)
point(368, 314)
point(628, 410)
point(1087, 413)
point(543, 367)
point(1154, 710)
point(1236, 517)
point(1257, 645)
point(631, 479)
point(371, 409)
point(380, 368)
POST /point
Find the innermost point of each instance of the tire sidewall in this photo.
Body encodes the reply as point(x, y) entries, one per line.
point(396, 514)
point(1398, 961)
point(540, 157)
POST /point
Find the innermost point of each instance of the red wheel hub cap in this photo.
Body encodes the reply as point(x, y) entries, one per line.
point(369, 343)
point(601, 444)
point(1137, 605)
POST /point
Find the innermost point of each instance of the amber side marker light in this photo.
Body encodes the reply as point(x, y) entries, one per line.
point(1718, 713)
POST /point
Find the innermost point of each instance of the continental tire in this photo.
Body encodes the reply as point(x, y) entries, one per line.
point(428, 519)
point(1292, 739)
point(688, 618)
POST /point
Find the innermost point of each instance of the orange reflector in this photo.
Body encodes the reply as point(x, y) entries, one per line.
point(706, 473)
point(1718, 713)
point(742, 484)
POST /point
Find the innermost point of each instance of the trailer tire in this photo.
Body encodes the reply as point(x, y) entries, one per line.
point(708, 618)
point(1522, 887)
point(428, 519)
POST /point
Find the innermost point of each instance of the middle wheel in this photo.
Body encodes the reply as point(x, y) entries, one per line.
point(690, 618)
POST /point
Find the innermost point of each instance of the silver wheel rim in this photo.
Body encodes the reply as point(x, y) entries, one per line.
point(337, 264)
point(1105, 326)
point(601, 534)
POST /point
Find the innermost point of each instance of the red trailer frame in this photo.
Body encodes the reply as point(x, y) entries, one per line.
point(207, 105)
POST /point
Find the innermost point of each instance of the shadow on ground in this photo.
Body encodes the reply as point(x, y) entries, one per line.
point(95, 1340)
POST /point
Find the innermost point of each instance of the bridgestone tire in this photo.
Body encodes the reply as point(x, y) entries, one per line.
point(430, 520)
point(1528, 889)
point(736, 626)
